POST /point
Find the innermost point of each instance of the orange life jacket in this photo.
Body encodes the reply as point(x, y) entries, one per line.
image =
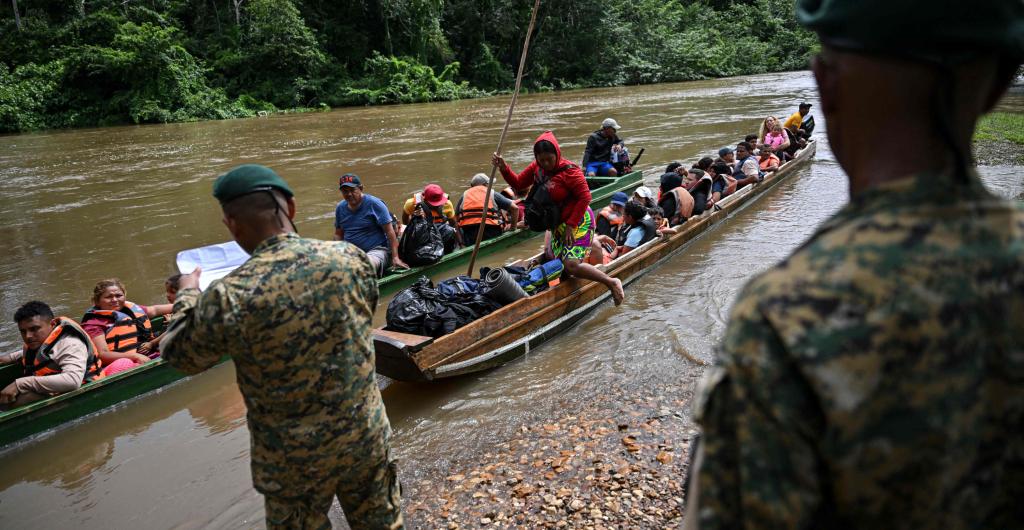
point(730, 187)
point(614, 218)
point(684, 205)
point(40, 362)
point(125, 331)
point(436, 213)
point(473, 207)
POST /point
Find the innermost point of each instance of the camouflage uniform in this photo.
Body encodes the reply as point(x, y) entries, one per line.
point(296, 320)
point(874, 378)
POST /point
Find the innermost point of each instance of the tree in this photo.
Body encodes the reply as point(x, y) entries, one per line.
point(17, 17)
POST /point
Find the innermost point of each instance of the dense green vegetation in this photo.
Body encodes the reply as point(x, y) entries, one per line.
point(67, 63)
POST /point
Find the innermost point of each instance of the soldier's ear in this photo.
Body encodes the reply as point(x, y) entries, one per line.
point(291, 207)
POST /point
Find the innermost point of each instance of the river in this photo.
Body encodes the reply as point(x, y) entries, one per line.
point(79, 206)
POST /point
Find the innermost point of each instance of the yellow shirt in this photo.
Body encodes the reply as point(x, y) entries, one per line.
point(448, 210)
point(795, 119)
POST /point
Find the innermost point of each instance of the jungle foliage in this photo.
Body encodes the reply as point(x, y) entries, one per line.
point(68, 63)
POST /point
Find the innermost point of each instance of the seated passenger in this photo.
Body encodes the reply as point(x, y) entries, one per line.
point(171, 285)
point(776, 140)
point(120, 330)
point(432, 203)
point(638, 227)
point(699, 185)
point(152, 348)
point(609, 218)
point(602, 145)
point(753, 140)
point(364, 221)
point(726, 156)
point(471, 206)
point(766, 127)
point(704, 163)
point(746, 170)
point(645, 197)
point(518, 198)
point(675, 200)
point(796, 143)
point(801, 119)
point(722, 183)
point(57, 357)
point(658, 216)
point(768, 162)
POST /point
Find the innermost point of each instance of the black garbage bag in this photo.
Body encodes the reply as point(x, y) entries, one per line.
point(448, 237)
point(421, 243)
point(423, 310)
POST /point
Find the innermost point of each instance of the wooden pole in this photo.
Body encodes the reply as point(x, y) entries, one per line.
point(501, 139)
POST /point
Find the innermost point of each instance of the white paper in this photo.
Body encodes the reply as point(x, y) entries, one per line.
point(217, 261)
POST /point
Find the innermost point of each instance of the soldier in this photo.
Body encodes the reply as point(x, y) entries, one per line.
point(296, 319)
point(875, 378)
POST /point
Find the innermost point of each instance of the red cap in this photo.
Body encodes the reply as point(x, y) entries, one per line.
point(434, 195)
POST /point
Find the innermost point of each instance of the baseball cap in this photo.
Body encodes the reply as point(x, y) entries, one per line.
point(644, 192)
point(608, 122)
point(246, 179)
point(434, 195)
point(350, 180)
point(620, 198)
point(805, 105)
point(724, 151)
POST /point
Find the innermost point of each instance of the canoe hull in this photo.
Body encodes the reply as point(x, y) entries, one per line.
point(514, 330)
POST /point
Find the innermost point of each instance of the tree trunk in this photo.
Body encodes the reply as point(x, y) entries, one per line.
point(238, 12)
point(17, 17)
point(81, 8)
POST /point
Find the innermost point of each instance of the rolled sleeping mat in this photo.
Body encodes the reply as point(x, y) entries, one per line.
point(498, 285)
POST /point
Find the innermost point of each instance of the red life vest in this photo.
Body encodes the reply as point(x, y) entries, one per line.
point(125, 330)
point(614, 218)
point(436, 213)
point(37, 363)
point(473, 207)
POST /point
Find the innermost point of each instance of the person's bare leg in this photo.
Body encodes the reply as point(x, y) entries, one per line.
point(596, 256)
point(586, 271)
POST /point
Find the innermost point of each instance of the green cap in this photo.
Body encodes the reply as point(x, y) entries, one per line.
point(918, 28)
point(247, 179)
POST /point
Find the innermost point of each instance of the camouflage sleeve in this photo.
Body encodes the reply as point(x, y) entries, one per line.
point(198, 337)
point(760, 424)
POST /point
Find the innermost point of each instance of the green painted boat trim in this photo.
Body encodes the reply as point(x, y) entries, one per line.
point(602, 189)
point(25, 422)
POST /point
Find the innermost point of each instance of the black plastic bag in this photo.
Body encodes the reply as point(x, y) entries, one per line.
point(410, 306)
point(448, 237)
point(423, 310)
point(421, 243)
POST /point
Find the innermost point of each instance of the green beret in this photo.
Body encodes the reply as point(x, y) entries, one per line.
point(918, 28)
point(247, 179)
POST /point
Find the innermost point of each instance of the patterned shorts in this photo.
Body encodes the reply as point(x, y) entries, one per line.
point(583, 236)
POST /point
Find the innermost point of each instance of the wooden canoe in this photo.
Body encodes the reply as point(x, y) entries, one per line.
point(515, 329)
point(601, 189)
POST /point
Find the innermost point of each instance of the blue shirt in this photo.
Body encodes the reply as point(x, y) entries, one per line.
point(364, 227)
point(635, 236)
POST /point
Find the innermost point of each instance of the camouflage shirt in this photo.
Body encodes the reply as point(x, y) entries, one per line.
point(296, 320)
point(875, 378)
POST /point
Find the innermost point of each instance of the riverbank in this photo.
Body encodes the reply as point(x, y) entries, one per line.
point(619, 462)
point(998, 139)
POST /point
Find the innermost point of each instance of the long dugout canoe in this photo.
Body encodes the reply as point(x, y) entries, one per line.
point(515, 329)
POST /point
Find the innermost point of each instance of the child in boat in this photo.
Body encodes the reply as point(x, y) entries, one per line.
point(639, 229)
point(57, 356)
point(775, 140)
point(658, 216)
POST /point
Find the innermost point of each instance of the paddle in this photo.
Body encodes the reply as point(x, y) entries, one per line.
point(501, 139)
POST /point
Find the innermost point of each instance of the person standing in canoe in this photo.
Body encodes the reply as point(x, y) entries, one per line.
point(559, 203)
point(296, 320)
point(875, 377)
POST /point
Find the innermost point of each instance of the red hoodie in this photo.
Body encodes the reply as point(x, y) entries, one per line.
point(568, 186)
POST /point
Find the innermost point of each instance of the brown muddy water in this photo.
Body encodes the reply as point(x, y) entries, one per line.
point(78, 206)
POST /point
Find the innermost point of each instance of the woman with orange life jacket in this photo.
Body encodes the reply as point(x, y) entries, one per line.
point(120, 329)
point(470, 208)
point(57, 357)
point(559, 205)
point(609, 219)
point(674, 200)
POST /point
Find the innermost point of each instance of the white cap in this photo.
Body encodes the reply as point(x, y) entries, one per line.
point(644, 192)
point(608, 122)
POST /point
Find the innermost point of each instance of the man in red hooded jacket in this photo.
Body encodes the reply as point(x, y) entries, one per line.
point(573, 238)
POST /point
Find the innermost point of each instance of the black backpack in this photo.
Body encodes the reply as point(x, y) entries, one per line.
point(542, 213)
point(421, 243)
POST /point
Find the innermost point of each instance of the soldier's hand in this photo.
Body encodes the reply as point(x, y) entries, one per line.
point(9, 393)
point(190, 280)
